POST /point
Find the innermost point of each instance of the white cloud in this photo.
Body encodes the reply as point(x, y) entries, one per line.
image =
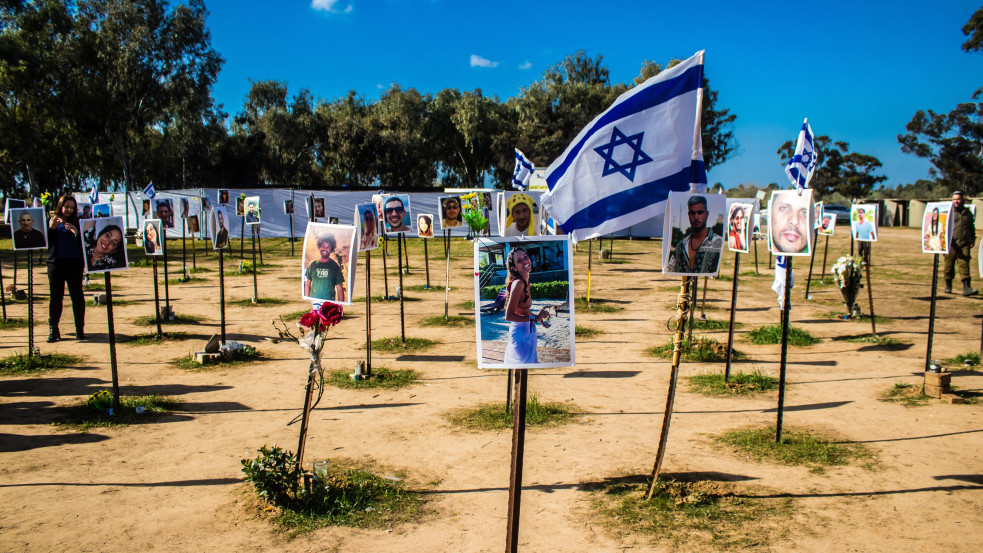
point(330, 6)
point(478, 61)
point(525, 65)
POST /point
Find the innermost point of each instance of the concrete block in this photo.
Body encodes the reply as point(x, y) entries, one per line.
point(933, 391)
point(941, 380)
point(952, 398)
point(204, 358)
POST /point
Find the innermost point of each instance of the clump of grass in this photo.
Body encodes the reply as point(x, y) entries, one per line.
point(615, 260)
point(798, 447)
point(11, 323)
point(194, 270)
point(960, 361)
point(741, 383)
point(116, 303)
point(863, 317)
point(22, 364)
point(465, 304)
point(691, 513)
point(381, 378)
point(876, 340)
point(450, 321)
point(586, 332)
point(151, 320)
point(151, 338)
point(248, 302)
point(82, 416)
point(672, 307)
point(724, 278)
point(142, 262)
point(423, 288)
point(772, 334)
point(94, 287)
point(712, 324)
point(189, 280)
point(245, 354)
point(909, 395)
point(396, 345)
point(596, 305)
point(703, 350)
point(494, 416)
point(752, 274)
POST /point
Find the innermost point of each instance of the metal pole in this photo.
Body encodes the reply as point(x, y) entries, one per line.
point(515, 474)
point(784, 361)
point(812, 260)
point(822, 277)
point(406, 252)
point(255, 268)
point(385, 268)
point(931, 315)
point(694, 286)
point(426, 261)
point(305, 417)
point(683, 304)
point(167, 292)
point(447, 273)
point(291, 235)
point(242, 238)
point(194, 247)
point(733, 310)
point(870, 292)
point(590, 256)
point(703, 304)
point(368, 313)
point(509, 389)
point(258, 236)
point(30, 305)
point(221, 293)
point(402, 324)
point(112, 341)
point(184, 256)
point(3, 295)
point(160, 332)
point(754, 238)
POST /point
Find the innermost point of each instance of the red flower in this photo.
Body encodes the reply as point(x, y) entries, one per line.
point(331, 313)
point(310, 319)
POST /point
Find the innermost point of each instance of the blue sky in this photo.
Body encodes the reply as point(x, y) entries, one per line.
point(858, 70)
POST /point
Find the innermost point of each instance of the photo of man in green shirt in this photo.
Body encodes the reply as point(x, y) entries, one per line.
point(324, 279)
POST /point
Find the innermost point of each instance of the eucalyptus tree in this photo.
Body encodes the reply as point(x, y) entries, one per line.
point(344, 153)
point(473, 135)
point(403, 154)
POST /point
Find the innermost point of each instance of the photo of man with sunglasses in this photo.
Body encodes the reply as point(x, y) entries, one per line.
point(396, 213)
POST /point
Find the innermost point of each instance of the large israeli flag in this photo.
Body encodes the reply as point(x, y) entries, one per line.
point(803, 163)
point(622, 166)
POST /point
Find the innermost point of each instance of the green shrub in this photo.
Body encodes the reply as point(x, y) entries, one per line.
point(538, 290)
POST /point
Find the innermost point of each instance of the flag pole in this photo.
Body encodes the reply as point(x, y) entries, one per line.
point(812, 260)
point(784, 360)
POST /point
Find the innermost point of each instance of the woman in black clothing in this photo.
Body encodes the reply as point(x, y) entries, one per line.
point(65, 266)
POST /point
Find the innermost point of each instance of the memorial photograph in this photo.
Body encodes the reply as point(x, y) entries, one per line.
point(104, 243)
point(368, 226)
point(790, 222)
point(328, 263)
point(29, 229)
point(694, 234)
point(936, 227)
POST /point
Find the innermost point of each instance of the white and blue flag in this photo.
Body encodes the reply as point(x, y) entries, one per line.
point(621, 167)
point(150, 191)
point(523, 171)
point(803, 163)
point(94, 194)
point(778, 285)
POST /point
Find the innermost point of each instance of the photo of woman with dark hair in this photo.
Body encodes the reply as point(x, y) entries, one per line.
point(65, 267)
point(105, 247)
point(424, 226)
point(368, 227)
point(521, 346)
point(151, 237)
point(935, 228)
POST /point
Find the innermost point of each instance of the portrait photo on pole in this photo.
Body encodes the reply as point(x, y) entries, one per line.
point(102, 210)
point(524, 302)
point(147, 211)
point(240, 207)
point(105, 245)
point(85, 210)
point(163, 210)
point(396, 213)
point(288, 207)
point(937, 227)
point(520, 214)
point(223, 197)
point(333, 220)
point(827, 224)
point(693, 234)
point(185, 207)
point(194, 226)
point(319, 208)
point(151, 237)
point(790, 222)
point(450, 214)
point(219, 224)
point(818, 212)
point(14, 203)
point(424, 226)
point(367, 221)
point(863, 222)
point(328, 263)
point(29, 228)
point(252, 210)
point(740, 213)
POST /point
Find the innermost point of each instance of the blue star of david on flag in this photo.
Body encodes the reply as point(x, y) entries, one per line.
point(94, 195)
point(619, 138)
point(801, 166)
point(150, 191)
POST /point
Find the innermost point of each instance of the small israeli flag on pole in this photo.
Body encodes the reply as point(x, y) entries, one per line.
point(149, 191)
point(94, 194)
point(803, 163)
point(523, 171)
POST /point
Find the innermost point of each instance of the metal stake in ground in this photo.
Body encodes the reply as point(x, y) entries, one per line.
point(822, 277)
point(754, 238)
point(683, 305)
point(160, 332)
point(694, 287)
point(733, 310)
point(368, 313)
point(259, 241)
point(30, 305)
point(242, 238)
point(3, 295)
point(255, 293)
point(447, 272)
point(931, 314)
point(385, 265)
point(167, 292)
point(305, 416)
point(426, 261)
point(194, 250)
point(865, 254)
point(590, 256)
point(812, 260)
point(518, 449)
point(703, 303)
point(786, 307)
point(291, 229)
point(184, 256)
point(406, 252)
point(402, 324)
point(112, 341)
point(221, 293)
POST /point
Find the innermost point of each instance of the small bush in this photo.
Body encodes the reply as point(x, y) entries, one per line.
point(800, 447)
point(396, 345)
point(538, 290)
point(381, 378)
point(496, 417)
point(22, 364)
point(772, 334)
point(450, 321)
point(741, 383)
point(587, 332)
point(703, 350)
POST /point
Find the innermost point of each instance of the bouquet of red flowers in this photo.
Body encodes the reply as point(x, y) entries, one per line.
point(314, 327)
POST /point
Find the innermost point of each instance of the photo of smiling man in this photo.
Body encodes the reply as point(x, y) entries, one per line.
point(790, 221)
point(328, 264)
point(396, 212)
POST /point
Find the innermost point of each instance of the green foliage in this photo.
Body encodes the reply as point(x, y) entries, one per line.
point(274, 475)
point(951, 142)
point(712, 324)
point(450, 321)
point(596, 305)
point(960, 361)
point(495, 416)
point(116, 303)
point(772, 334)
point(465, 304)
point(248, 302)
point(423, 288)
point(22, 364)
point(886, 341)
point(537, 290)
point(11, 323)
point(909, 395)
point(586, 332)
point(741, 383)
point(840, 171)
point(381, 378)
point(703, 350)
point(93, 412)
point(188, 280)
point(798, 447)
point(395, 344)
point(245, 354)
point(152, 338)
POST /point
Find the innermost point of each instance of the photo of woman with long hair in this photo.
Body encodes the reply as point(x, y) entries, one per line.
point(151, 237)
point(521, 346)
point(65, 266)
point(365, 217)
point(105, 247)
point(935, 231)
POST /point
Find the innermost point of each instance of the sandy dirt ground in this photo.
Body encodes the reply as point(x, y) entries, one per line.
point(175, 484)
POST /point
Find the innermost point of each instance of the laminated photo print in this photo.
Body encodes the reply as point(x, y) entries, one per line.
point(790, 222)
point(520, 214)
point(104, 244)
point(424, 226)
point(185, 207)
point(204, 204)
point(396, 214)
point(451, 215)
point(739, 216)
point(13, 203)
point(863, 222)
point(152, 233)
point(328, 263)
point(147, 213)
point(818, 211)
point(29, 228)
point(288, 207)
point(85, 210)
point(827, 224)
point(252, 210)
point(223, 197)
point(937, 227)
point(194, 226)
point(240, 207)
point(693, 234)
point(367, 221)
point(524, 302)
point(101, 210)
point(219, 225)
point(318, 208)
point(163, 210)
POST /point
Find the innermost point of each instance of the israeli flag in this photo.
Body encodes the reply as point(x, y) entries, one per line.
point(803, 163)
point(523, 171)
point(150, 191)
point(621, 167)
point(94, 194)
point(778, 285)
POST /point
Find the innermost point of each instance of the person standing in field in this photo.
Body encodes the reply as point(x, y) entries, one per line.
point(961, 246)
